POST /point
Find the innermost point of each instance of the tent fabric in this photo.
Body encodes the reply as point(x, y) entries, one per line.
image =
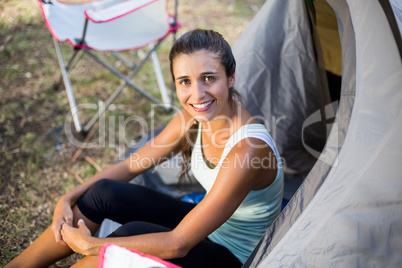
point(397, 9)
point(280, 74)
point(393, 11)
point(317, 175)
point(348, 211)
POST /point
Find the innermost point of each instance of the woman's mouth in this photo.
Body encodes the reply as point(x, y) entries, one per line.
point(201, 107)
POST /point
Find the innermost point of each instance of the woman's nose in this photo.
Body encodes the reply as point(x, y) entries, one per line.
point(198, 91)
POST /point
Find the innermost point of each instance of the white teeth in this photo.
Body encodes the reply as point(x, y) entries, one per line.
point(200, 106)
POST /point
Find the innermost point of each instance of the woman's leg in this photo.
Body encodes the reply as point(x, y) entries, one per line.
point(208, 254)
point(87, 262)
point(205, 254)
point(142, 210)
point(45, 251)
point(118, 201)
point(124, 202)
point(132, 205)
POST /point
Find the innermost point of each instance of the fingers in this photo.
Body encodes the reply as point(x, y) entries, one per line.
point(58, 236)
point(69, 219)
point(56, 228)
point(82, 226)
point(67, 231)
point(64, 233)
point(67, 228)
point(62, 214)
point(81, 223)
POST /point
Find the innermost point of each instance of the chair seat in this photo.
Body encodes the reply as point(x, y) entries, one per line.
point(131, 30)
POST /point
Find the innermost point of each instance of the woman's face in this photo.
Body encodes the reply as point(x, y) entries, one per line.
point(202, 85)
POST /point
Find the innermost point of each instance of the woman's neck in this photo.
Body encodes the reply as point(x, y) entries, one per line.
point(225, 121)
point(219, 129)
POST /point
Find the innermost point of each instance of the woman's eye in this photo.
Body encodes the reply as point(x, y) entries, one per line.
point(209, 78)
point(185, 82)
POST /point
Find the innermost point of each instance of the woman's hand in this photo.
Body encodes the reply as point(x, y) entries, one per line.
point(79, 239)
point(63, 213)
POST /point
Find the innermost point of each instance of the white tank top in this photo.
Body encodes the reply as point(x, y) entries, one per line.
point(243, 230)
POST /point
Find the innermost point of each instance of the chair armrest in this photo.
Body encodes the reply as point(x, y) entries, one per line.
point(116, 11)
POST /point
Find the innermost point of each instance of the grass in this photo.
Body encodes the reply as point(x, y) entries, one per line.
point(33, 175)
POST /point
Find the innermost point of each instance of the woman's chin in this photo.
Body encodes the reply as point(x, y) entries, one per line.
point(201, 119)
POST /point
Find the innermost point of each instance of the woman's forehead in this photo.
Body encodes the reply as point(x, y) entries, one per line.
point(200, 61)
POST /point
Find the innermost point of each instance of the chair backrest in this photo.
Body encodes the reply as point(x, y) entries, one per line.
point(133, 28)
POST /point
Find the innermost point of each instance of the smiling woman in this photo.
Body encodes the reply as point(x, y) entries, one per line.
point(202, 85)
point(34, 175)
point(212, 58)
point(216, 133)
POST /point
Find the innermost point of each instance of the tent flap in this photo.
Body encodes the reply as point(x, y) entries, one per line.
point(280, 73)
point(348, 211)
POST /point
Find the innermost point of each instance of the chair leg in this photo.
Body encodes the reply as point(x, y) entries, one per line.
point(70, 65)
point(127, 81)
point(159, 78)
point(67, 84)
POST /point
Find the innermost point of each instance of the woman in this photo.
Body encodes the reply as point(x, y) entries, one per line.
point(229, 153)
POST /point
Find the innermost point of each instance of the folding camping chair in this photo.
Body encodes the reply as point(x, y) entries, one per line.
point(110, 26)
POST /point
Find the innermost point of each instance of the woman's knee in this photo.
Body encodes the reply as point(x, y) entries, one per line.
point(101, 185)
point(104, 189)
point(94, 204)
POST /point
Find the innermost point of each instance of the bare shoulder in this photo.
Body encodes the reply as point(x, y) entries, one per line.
point(254, 160)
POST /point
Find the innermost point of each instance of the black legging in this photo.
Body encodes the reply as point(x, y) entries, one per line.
point(141, 210)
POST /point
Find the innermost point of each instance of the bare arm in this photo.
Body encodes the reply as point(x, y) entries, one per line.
point(160, 148)
point(234, 182)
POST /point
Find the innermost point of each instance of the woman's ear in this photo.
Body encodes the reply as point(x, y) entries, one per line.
point(232, 80)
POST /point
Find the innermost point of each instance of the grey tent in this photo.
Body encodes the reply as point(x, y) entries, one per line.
point(347, 211)
point(280, 73)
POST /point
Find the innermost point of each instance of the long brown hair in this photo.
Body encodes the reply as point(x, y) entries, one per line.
point(216, 45)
